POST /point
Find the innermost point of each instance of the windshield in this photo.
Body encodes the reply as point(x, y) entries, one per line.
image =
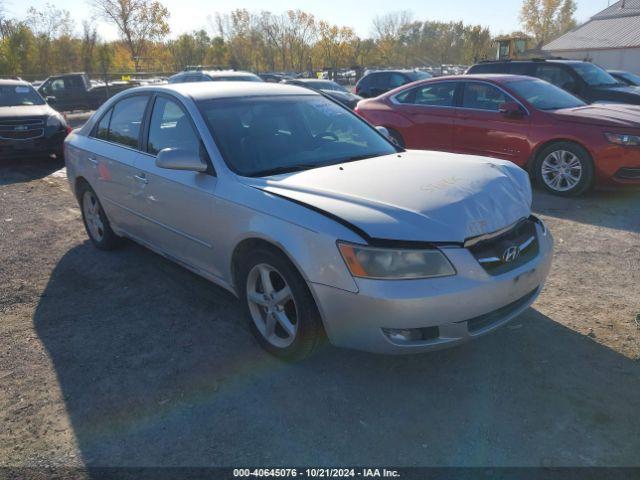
point(261, 136)
point(19, 95)
point(543, 95)
point(418, 75)
point(594, 75)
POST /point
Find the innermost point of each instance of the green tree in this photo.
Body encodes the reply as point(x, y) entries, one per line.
point(139, 23)
point(547, 19)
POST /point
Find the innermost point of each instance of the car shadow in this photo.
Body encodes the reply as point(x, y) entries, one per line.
point(19, 170)
point(619, 210)
point(158, 368)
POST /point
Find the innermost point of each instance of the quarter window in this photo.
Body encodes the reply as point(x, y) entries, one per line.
point(102, 129)
point(482, 96)
point(171, 128)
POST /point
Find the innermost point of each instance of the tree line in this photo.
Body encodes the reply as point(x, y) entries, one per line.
point(47, 40)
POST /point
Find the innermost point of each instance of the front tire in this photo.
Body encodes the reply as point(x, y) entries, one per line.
point(95, 220)
point(564, 169)
point(283, 315)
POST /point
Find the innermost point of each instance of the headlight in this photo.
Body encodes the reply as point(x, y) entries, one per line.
point(56, 121)
point(392, 264)
point(623, 139)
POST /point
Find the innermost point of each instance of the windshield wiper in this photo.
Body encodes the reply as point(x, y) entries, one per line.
point(284, 169)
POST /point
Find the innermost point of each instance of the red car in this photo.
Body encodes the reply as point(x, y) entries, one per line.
point(567, 145)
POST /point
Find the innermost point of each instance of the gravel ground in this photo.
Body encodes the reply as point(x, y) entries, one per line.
point(125, 359)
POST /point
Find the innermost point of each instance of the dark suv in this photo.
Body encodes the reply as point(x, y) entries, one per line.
point(584, 79)
point(379, 82)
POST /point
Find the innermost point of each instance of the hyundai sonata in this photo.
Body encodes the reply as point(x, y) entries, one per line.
point(311, 216)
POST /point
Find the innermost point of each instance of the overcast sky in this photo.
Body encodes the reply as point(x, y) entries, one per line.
point(501, 16)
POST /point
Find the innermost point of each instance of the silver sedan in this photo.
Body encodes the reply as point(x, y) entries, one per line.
point(311, 216)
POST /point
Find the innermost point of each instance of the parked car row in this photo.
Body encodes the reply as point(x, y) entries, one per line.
point(320, 224)
point(566, 144)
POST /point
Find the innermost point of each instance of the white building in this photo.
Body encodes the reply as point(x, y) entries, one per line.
point(610, 39)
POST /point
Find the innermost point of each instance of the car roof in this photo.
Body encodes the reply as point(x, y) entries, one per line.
point(230, 89)
point(13, 82)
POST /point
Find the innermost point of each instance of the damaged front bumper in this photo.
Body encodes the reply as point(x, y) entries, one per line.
point(413, 316)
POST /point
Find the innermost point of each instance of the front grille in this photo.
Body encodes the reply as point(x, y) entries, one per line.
point(21, 128)
point(487, 320)
point(629, 173)
point(509, 250)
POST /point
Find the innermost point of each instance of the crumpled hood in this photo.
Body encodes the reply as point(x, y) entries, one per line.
point(25, 111)
point(603, 114)
point(413, 196)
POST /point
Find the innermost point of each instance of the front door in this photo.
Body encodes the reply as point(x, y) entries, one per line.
point(176, 207)
point(481, 129)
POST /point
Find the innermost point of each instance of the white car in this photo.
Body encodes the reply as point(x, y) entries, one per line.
point(311, 216)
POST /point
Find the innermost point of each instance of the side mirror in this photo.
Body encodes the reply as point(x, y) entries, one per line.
point(511, 109)
point(51, 100)
point(180, 159)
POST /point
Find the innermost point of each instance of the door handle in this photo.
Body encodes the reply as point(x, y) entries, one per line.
point(93, 160)
point(141, 178)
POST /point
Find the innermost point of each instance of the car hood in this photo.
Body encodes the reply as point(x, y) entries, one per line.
point(25, 111)
point(603, 114)
point(413, 196)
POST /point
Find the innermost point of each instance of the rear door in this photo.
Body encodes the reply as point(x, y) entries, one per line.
point(430, 109)
point(114, 151)
point(176, 207)
point(481, 129)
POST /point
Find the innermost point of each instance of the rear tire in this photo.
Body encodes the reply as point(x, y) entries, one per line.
point(282, 313)
point(95, 220)
point(564, 169)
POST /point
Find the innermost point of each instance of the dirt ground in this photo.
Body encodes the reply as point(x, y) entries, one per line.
point(125, 359)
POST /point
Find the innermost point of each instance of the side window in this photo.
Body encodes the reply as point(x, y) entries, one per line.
point(102, 129)
point(397, 80)
point(482, 96)
point(520, 69)
point(126, 120)
point(170, 128)
point(74, 83)
point(57, 85)
point(488, 68)
point(436, 95)
point(555, 75)
point(379, 81)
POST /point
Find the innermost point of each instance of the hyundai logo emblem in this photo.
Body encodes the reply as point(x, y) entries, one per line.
point(510, 254)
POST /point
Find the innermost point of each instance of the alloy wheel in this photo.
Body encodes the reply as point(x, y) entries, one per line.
point(561, 171)
point(92, 211)
point(272, 305)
